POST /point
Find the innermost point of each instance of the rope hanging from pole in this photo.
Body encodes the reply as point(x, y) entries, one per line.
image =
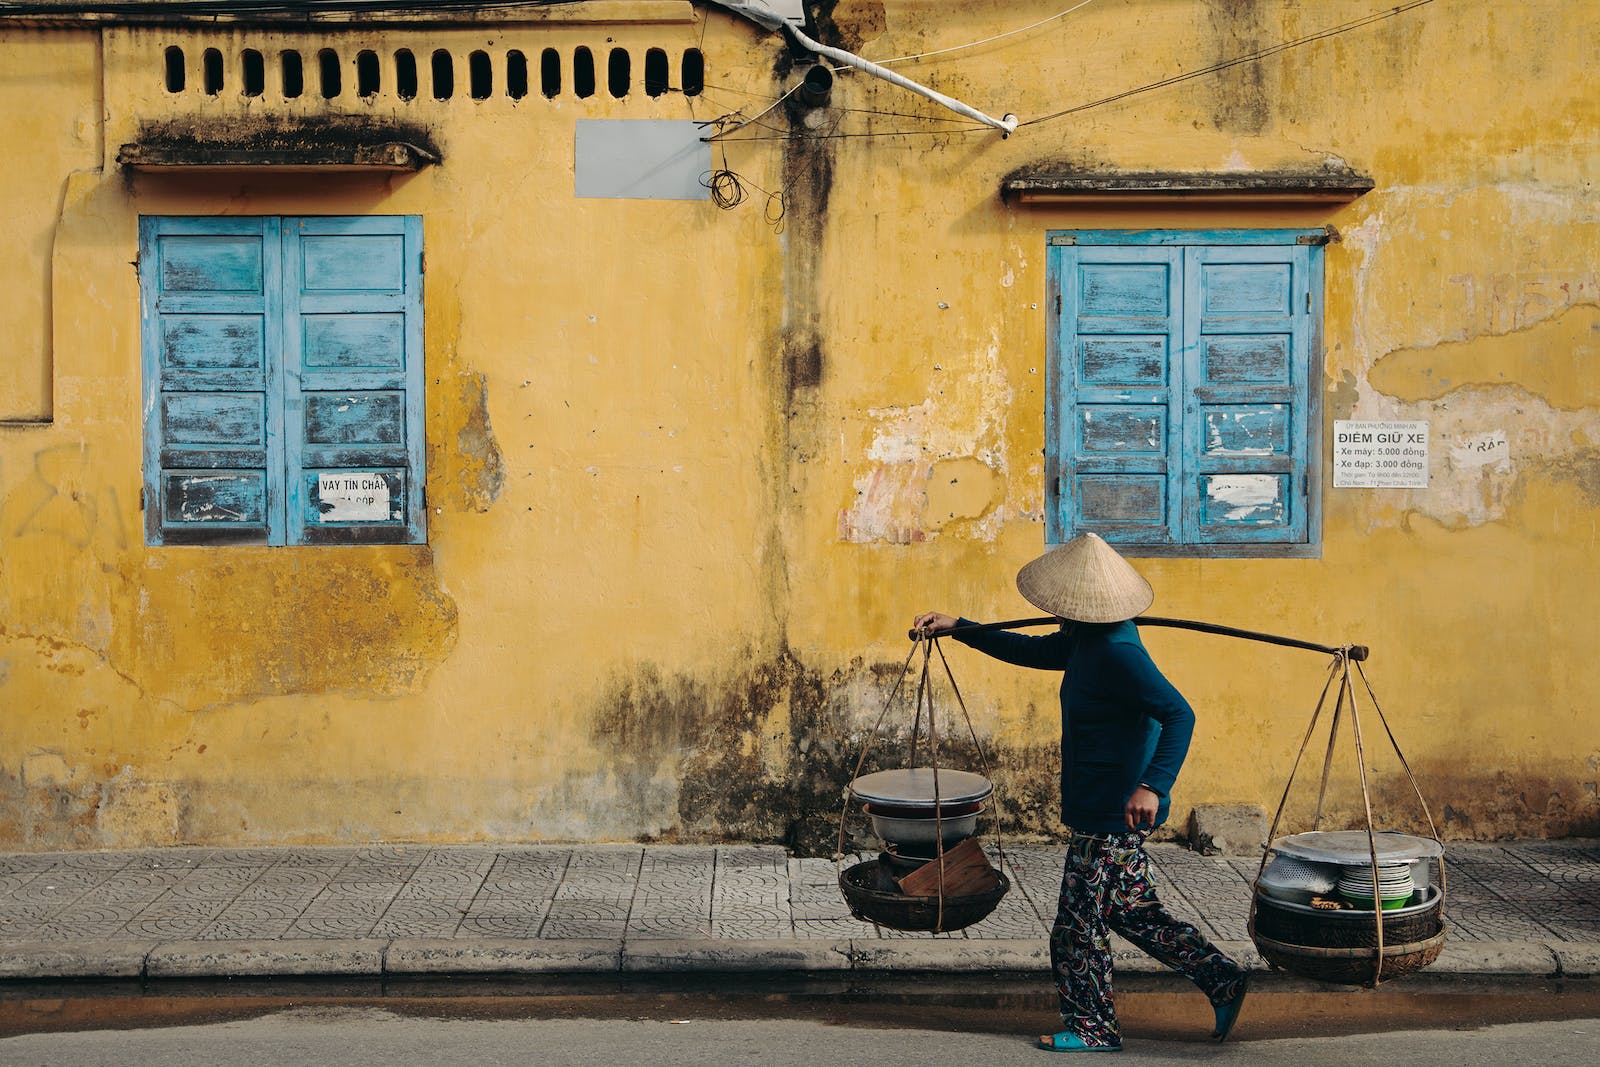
point(1345, 697)
point(924, 703)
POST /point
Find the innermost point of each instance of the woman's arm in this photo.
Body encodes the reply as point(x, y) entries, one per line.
point(1148, 691)
point(1046, 652)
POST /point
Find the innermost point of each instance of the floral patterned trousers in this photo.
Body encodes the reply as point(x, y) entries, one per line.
point(1106, 886)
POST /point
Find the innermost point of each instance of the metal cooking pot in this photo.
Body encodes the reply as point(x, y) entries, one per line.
point(917, 835)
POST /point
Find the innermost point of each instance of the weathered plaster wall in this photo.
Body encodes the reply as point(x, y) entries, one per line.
point(1460, 292)
point(690, 474)
point(599, 409)
point(50, 97)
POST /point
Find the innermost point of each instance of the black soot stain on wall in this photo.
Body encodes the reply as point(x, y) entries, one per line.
point(742, 776)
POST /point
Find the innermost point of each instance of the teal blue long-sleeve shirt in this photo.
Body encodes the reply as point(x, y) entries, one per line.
point(1122, 723)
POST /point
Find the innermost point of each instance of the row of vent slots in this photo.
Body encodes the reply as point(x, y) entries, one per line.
point(480, 72)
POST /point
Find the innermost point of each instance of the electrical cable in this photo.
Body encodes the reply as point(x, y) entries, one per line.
point(1282, 46)
point(734, 120)
point(727, 188)
point(760, 114)
point(986, 40)
point(897, 114)
point(849, 136)
point(731, 89)
point(260, 7)
point(778, 134)
point(727, 192)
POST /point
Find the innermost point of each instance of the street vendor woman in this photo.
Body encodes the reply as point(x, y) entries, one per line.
point(1124, 733)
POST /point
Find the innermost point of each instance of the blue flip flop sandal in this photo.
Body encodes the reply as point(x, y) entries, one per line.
point(1067, 1041)
point(1228, 1014)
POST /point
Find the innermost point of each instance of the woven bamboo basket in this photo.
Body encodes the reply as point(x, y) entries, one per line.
point(1350, 946)
point(1340, 946)
point(1346, 929)
point(861, 888)
point(1350, 966)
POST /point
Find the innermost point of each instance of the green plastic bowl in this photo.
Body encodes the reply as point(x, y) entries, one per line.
point(1389, 903)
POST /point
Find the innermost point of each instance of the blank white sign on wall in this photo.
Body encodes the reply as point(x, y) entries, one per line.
point(642, 159)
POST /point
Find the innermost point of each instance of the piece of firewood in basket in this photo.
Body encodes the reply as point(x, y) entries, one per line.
point(966, 871)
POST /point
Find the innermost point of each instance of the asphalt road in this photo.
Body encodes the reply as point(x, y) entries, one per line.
point(711, 1023)
point(376, 1036)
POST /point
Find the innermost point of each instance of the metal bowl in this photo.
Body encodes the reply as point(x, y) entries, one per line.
point(917, 835)
point(1288, 878)
point(899, 811)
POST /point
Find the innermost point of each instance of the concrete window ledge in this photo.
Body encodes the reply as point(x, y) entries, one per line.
point(1047, 187)
point(322, 144)
point(387, 155)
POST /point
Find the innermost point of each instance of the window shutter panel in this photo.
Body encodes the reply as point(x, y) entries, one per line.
point(353, 380)
point(1120, 326)
point(212, 450)
point(1246, 337)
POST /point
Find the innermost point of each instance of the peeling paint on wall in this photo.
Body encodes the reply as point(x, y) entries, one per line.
point(1463, 492)
point(132, 808)
point(1555, 358)
point(1512, 351)
point(474, 469)
point(962, 489)
point(937, 462)
point(1529, 265)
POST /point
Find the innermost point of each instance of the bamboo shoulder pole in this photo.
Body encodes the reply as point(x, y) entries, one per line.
point(1355, 652)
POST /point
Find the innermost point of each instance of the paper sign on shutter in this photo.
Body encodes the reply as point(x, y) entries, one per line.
point(353, 497)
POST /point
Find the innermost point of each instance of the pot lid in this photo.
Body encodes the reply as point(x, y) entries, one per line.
point(1350, 847)
point(914, 787)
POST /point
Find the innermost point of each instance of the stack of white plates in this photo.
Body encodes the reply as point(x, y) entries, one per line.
point(1394, 883)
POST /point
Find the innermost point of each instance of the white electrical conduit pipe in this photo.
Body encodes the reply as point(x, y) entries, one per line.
point(769, 20)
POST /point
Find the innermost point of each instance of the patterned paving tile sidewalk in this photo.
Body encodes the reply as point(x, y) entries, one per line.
point(1530, 891)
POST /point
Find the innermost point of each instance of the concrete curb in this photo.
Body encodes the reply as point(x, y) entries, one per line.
point(74, 959)
point(1577, 959)
point(1496, 959)
point(776, 956)
point(950, 954)
point(440, 956)
point(265, 959)
point(1460, 962)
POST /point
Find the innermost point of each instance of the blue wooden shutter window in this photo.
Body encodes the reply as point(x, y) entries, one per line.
point(283, 380)
point(1181, 411)
point(209, 291)
point(1244, 369)
point(1123, 309)
point(353, 379)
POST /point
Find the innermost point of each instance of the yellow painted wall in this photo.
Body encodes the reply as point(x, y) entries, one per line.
point(50, 95)
point(691, 473)
point(1462, 292)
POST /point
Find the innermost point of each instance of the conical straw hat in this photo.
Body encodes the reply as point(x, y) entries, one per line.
point(1086, 581)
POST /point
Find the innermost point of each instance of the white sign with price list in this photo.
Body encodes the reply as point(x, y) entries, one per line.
point(1380, 455)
